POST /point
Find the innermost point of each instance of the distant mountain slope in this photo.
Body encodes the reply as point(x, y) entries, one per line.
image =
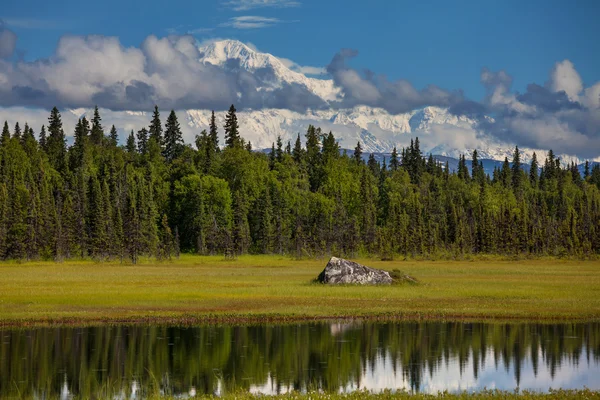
point(439, 131)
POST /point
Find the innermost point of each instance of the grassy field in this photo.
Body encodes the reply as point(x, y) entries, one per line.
point(255, 288)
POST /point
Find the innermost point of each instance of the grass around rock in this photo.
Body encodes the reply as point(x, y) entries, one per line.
point(197, 289)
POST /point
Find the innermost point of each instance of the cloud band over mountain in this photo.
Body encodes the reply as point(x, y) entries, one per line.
point(95, 70)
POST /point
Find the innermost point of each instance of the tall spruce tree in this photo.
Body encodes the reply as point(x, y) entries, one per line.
point(17, 132)
point(516, 170)
point(533, 170)
point(56, 146)
point(173, 138)
point(358, 153)
point(97, 132)
point(113, 136)
point(155, 130)
point(5, 134)
point(142, 141)
point(394, 162)
point(232, 134)
point(42, 139)
point(213, 133)
point(298, 152)
point(130, 146)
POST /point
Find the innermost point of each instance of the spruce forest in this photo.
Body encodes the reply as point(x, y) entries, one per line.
point(157, 196)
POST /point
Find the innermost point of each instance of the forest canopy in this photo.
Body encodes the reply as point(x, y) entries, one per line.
point(156, 196)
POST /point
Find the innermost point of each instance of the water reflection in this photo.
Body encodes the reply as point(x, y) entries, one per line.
point(132, 362)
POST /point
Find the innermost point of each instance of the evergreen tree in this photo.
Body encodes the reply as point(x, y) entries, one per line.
point(373, 165)
point(232, 134)
point(213, 133)
point(505, 173)
point(173, 138)
point(533, 170)
point(17, 132)
point(516, 171)
point(477, 169)
point(463, 170)
point(272, 157)
point(114, 136)
point(288, 148)
point(97, 132)
point(358, 153)
point(42, 140)
point(586, 170)
point(56, 142)
point(298, 152)
point(5, 134)
point(155, 129)
point(394, 162)
point(279, 153)
point(130, 146)
point(78, 150)
point(142, 141)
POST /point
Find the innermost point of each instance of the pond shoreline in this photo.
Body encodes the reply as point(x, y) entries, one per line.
point(249, 319)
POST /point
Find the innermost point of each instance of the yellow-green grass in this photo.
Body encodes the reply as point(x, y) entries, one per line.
point(197, 289)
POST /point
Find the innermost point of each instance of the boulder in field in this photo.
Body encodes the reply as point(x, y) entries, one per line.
point(340, 271)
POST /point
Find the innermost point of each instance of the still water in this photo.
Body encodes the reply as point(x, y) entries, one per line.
point(132, 362)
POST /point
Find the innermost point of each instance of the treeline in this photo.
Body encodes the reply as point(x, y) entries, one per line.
point(157, 196)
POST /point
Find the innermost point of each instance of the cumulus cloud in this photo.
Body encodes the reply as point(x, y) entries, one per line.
point(565, 78)
point(90, 70)
point(562, 114)
point(8, 40)
point(244, 5)
point(373, 90)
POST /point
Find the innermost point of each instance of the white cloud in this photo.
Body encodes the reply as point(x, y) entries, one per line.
point(306, 70)
point(244, 5)
point(251, 22)
point(564, 77)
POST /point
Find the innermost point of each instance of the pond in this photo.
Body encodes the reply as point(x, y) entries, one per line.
point(134, 361)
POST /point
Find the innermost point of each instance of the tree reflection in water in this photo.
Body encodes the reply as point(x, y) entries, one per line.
point(138, 360)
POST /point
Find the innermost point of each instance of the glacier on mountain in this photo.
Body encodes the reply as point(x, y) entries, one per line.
point(440, 132)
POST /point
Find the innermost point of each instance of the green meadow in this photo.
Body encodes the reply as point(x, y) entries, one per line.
point(196, 289)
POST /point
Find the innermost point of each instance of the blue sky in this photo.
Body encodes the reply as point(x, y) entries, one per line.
point(445, 43)
point(533, 66)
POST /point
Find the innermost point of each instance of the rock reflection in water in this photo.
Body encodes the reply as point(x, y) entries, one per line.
point(132, 362)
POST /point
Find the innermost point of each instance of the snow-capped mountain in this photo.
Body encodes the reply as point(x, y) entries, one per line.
point(440, 132)
point(221, 52)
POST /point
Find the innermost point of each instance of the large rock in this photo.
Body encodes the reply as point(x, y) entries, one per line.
point(340, 271)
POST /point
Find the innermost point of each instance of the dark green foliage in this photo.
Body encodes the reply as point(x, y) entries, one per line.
point(5, 134)
point(42, 139)
point(56, 146)
point(155, 129)
point(533, 170)
point(232, 129)
point(17, 132)
point(358, 153)
point(113, 136)
point(97, 132)
point(130, 146)
point(173, 140)
point(100, 201)
point(298, 152)
point(142, 141)
point(213, 134)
